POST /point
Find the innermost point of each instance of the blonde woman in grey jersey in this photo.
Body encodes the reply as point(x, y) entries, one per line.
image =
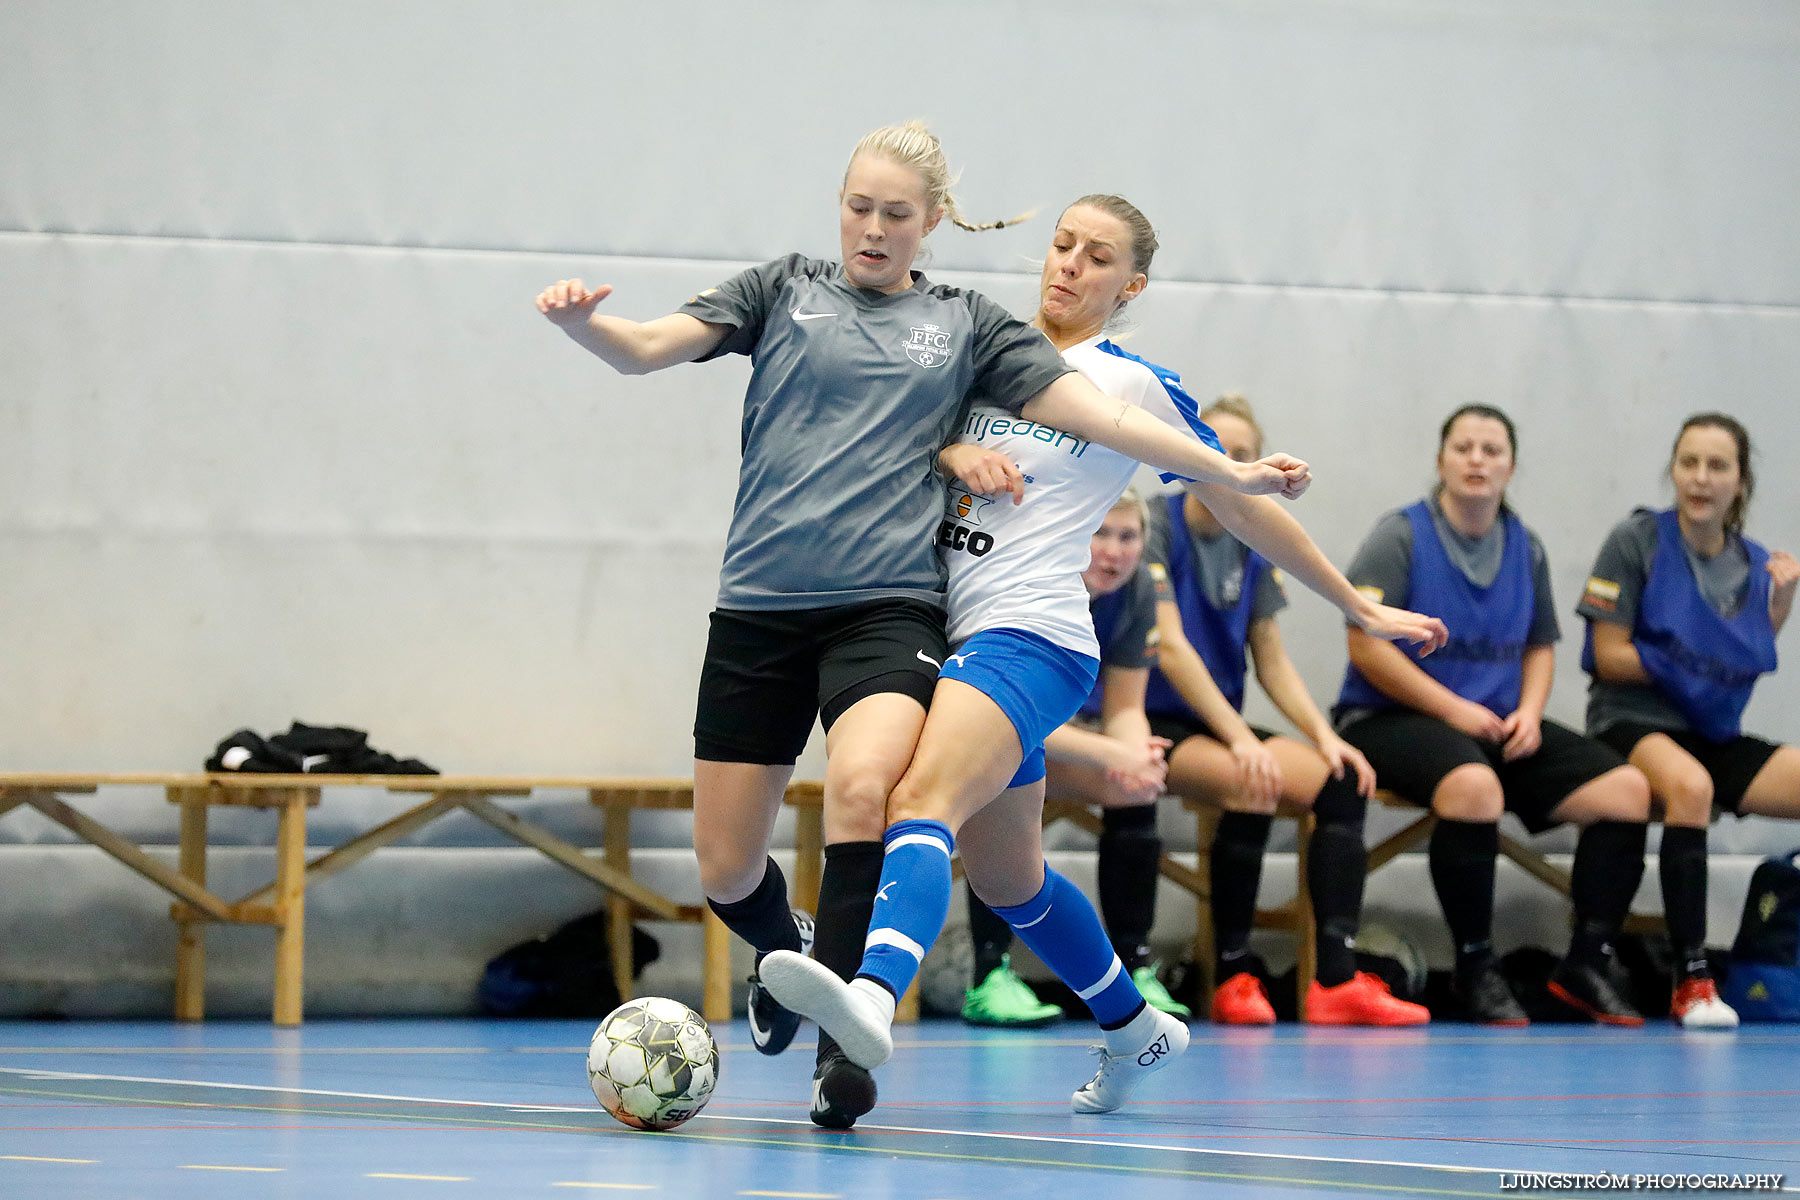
point(831, 595)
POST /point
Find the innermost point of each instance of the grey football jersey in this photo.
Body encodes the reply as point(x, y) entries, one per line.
point(851, 396)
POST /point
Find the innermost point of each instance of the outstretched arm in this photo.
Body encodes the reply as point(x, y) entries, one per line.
point(1074, 405)
point(629, 347)
point(1272, 531)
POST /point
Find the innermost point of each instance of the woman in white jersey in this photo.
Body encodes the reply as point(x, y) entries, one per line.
point(1025, 656)
point(830, 595)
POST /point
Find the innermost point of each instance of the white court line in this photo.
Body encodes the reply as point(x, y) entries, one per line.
point(1048, 1139)
point(40, 1158)
point(952, 1133)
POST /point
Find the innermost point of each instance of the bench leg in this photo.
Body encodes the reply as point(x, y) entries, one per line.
point(290, 908)
point(715, 978)
point(618, 908)
point(190, 930)
point(906, 1012)
point(809, 857)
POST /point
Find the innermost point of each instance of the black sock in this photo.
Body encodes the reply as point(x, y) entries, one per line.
point(1127, 877)
point(1462, 872)
point(762, 918)
point(1237, 858)
point(991, 935)
point(1609, 862)
point(846, 902)
point(1335, 865)
point(1683, 866)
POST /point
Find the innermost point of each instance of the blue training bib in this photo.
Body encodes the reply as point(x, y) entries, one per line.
point(1484, 659)
point(1705, 663)
point(1218, 634)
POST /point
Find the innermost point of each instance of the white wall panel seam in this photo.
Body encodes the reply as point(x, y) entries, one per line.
point(953, 276)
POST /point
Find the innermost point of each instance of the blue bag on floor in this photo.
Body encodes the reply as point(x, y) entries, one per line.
point(1764, 982)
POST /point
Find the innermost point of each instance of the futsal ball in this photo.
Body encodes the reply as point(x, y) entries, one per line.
point(653, 1063)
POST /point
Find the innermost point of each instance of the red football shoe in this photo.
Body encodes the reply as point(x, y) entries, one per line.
point(1241, 1000)
point(1364, 1000)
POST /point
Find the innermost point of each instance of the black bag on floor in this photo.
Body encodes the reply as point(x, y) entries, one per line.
point(564, 974)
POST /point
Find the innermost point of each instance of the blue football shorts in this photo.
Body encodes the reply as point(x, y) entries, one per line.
point(1037, 684)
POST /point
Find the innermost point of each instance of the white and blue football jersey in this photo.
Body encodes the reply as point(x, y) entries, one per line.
point(1019, 566)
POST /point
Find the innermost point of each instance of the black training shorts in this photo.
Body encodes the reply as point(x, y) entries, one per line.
point(770, 672)
point(1179, 729)
point(1412, 752)
point(1732, 764)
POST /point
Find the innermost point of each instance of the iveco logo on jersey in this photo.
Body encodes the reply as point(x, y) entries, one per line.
point(967, 507)
point(929, 346)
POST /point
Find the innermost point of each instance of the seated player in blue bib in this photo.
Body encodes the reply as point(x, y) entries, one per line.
point(1682, 612)
point(1221, 601)
point(1464, 731)
point(1108, 757)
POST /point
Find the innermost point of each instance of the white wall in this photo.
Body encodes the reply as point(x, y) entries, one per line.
point(284, 436)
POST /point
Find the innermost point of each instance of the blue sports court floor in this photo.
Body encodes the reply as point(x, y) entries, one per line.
point(446, 1109)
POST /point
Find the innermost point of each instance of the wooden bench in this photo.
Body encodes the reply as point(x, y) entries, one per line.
point(281, 903)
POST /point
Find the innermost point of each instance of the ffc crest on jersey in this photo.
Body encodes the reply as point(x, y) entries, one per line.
point(967, 507)
point(928, 345)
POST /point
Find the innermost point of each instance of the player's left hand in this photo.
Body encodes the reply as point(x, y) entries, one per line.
point(1522, 734)
point(1784, 572)
point(984, 472)
point(1339, 755)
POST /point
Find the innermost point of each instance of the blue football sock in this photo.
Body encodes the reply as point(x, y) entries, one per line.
point(1062, 928)
point(911, 904)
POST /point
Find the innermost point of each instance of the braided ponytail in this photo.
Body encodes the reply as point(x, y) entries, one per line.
point(916, 148)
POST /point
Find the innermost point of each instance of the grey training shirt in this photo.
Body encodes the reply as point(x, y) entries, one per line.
point(1133, 641)
point(1221, 560)
point(1384, 561)
point(851, 396)
point(1621, 570)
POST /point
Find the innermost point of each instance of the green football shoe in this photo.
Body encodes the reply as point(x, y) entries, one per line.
point(1005, 1000)
point(1156, 995)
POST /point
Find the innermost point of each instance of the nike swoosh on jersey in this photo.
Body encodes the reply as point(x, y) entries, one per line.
point(924, 657)
point(800, 316)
